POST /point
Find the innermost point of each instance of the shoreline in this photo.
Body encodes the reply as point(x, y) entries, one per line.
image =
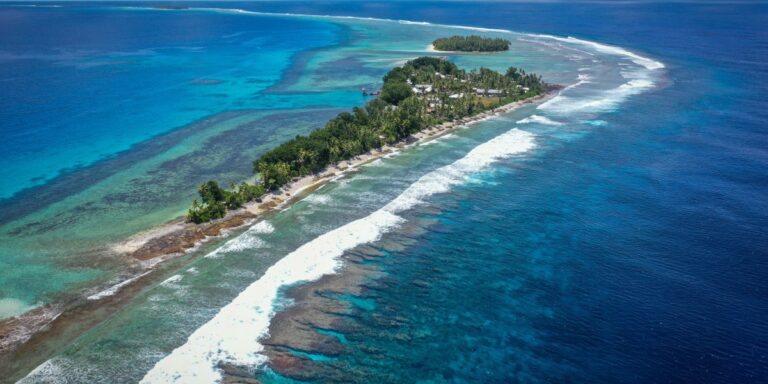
point(178, 236)
point(145, 250)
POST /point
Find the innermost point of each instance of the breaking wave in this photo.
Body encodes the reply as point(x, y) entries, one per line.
point(246, 240)
point(232, 335)
point(537, 119)
point(648, 63)
point(111, 291)
point(602, 102)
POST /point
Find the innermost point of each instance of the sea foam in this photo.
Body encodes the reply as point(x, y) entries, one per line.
point(172, 280)
point(441, 180)
point(57, 370)
point(608, 49)
point(111, 291)
point(603, 102)
point(246, 240)
point(318, 199)
point(339, 17)
point(537, 119)
point(639, 80)
point(232, 335)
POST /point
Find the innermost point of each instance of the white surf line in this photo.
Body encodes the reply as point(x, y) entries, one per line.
point(607, 100)
point(646, 62)
point(172, 280)
point(111, 291)
point(233, 335)
point(246, 240)
point(602, 48)
point(538, 119)
point(603, 102)
point(341, 17)
point(559, 104)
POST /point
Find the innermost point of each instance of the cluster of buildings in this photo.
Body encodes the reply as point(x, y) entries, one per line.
point(425, 89)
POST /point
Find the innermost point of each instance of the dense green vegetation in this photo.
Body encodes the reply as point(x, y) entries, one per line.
point(216, 201)
point(471, 44)
point(423, 92)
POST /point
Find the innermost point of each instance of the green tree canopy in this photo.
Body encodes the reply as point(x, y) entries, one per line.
point(395, 115)
point(210, 192)
point(394, 92)
point(471, 43)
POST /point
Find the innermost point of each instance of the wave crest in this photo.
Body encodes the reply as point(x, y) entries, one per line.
point(538, 119)
point(606, 101)
point(232, 335)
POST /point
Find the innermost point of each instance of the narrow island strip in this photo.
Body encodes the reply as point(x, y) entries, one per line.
point(472, 43)
point(423, 99)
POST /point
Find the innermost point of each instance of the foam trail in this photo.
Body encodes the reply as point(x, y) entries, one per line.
point(232, 335)
point(606, 101)
point(246, 240)
point(539, 120)
point(172, 280)
point(582, 79)
point(317, 199)
point(609, 49)
point(441, 180)
point(639, 81)
point(115, 288)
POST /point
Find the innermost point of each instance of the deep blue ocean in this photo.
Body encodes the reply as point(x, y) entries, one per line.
point(635, 254)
